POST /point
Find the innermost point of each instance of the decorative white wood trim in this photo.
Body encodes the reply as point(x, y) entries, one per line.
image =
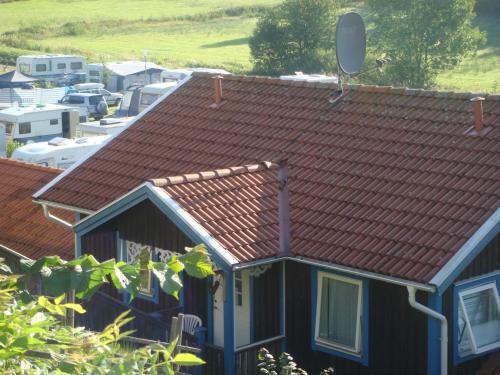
point(165, 255)
point(259, 270)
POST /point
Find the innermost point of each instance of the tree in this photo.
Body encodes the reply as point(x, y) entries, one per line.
point(11, 147)
point(422, 37)
point(33, 338)
point(296, 35)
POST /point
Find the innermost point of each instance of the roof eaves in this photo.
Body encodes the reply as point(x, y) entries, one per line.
point(111, 210)
point(170, 208)
point(339, 268)
point(83, 160)
point(469, 250)
point(13, 252)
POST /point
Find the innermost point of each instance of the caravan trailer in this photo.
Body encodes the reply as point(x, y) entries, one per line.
point(107, 126)
point(59, 152)
point(169, 75)
point(37, 123)
point(50, 67)
point(151, 93)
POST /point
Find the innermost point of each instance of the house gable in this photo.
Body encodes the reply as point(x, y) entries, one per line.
point(169, 207)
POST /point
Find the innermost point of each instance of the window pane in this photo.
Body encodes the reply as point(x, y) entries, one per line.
point(24, 127)
point(76, 100)
point(464, 341)
point(339, 312)
point(25, 68)
point(61, 66)
point(94, 100)
point(76, 65)
point(482, 310)
point(54, 121)
point(41, 67)
point(145, 273)
point(148, 99)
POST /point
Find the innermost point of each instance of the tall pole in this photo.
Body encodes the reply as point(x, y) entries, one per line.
point(145, 54)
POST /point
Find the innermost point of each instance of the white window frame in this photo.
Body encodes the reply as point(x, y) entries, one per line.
point(238, 292)
point(331, 344)
point(149, 291)
point(468, 327)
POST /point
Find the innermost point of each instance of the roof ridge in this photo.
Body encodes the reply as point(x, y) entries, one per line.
point(26, 164)
point(213, 174)
point(395, 90)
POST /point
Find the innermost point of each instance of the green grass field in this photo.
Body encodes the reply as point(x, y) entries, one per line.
point(175, 32)
point(180, 33)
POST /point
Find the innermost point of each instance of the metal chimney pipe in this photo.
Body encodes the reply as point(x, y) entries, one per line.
point(218, 90)
point(478, 113)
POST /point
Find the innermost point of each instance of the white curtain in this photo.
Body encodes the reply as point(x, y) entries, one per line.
point(339, 312)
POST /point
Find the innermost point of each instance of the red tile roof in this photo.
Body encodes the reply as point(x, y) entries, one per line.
point(385, 180)
point(23, 227)
point(238, 206)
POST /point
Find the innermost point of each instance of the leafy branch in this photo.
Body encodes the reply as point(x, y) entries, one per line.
point(33, 338)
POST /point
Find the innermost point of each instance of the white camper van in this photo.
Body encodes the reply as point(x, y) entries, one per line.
point(51, 66)
point(37, 123)
point(59, 152)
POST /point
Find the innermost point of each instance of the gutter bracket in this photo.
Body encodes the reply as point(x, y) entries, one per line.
point(55, 219)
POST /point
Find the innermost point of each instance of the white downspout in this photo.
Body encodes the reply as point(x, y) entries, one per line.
point(444, 326)
point(55, 219)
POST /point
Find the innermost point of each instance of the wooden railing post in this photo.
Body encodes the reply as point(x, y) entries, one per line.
point(176, 333)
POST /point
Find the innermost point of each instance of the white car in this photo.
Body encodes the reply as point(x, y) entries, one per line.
point(94, 103)
point(112, 98)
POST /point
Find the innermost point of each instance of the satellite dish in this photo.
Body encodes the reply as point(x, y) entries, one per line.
point(351, 43)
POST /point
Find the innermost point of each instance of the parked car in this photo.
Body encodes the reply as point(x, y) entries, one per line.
point(112, 98)
point(94, 103)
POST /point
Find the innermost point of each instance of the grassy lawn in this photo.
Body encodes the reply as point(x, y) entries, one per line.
point(481, 72)
point(221, 42)
point(176, 33)
point(180, 33)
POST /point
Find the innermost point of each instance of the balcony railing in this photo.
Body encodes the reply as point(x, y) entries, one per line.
point(246, 356)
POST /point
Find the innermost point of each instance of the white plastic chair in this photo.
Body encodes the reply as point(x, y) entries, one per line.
point(191, 322)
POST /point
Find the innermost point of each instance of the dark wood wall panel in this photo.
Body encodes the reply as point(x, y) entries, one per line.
point(102, 245)
point(196, 297)
point(398, 333)
point(146, 224)
point(487, 261)
point(266, 308)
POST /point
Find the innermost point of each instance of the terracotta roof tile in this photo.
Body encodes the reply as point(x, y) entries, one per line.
point(375, 180)
point(23, 227)
point(237, 205)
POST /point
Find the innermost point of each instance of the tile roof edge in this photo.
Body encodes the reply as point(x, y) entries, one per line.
point(25, 164)
point(213, 174)
point(394, 90)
